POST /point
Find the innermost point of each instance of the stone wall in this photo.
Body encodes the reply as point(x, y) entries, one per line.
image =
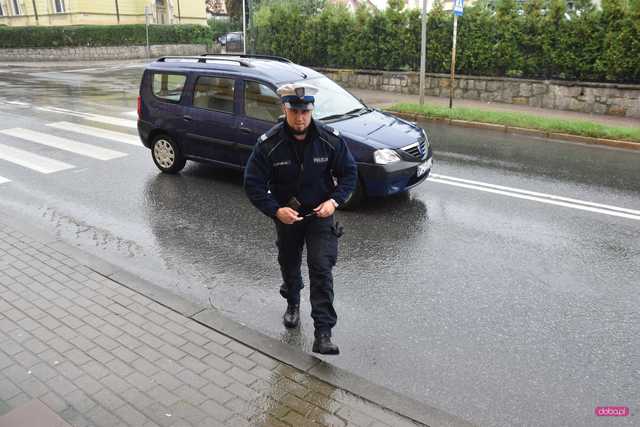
point(597, 98)
point(100, 53)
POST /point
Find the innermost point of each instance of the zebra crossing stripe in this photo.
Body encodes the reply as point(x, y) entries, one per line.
point(64, 144)
point(101, 133)
point(31, 161)
point(132, 124)
point(4, 180)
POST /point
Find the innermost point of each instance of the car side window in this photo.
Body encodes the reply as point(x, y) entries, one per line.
point(168, 86)
point(261, 102)
point(214, 93)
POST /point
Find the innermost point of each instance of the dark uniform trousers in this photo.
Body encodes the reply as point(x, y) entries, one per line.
point(322, 252)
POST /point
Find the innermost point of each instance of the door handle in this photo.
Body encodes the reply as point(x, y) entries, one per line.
point(245, 129)
point(188, 118)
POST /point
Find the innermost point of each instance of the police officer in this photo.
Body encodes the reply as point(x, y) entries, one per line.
point(300, 171)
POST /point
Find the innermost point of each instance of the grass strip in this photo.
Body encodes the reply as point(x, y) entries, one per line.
point(523, 120)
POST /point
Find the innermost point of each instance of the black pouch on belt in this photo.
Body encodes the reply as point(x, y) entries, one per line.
point(294, 204)
point(337, 229)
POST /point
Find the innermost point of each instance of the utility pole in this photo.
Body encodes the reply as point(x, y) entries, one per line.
point(146, 24)
point(423, 50)
point(118, 11)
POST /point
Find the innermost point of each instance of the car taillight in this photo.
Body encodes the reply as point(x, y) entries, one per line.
point(139, 107)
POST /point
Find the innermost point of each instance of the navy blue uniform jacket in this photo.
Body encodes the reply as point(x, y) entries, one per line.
point(271, 175)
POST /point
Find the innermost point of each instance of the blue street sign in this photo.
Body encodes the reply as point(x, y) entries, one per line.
point(458, 7)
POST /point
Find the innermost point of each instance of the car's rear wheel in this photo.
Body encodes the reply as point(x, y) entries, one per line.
point(166, 154)
point(355, 198)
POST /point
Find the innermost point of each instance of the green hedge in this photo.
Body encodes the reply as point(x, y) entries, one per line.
point(102, 35)
point(538, 40)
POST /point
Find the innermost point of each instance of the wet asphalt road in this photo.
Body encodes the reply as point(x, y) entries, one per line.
point(489, 303)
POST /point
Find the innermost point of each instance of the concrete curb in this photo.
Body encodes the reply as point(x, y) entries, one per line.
point(323, 371)
point(523, 131)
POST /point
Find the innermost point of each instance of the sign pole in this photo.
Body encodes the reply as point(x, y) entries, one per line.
point(423, 51)
point(458, 8)
point(453, 60)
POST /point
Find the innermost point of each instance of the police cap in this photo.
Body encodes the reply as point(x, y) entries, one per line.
point(297, 96)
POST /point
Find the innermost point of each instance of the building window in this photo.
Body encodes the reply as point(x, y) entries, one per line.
point(16, 8)
point(59, 6)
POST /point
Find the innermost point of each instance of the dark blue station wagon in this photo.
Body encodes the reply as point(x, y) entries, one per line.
point(213, 108)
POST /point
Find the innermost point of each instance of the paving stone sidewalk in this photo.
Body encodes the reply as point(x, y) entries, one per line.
point(98, 353)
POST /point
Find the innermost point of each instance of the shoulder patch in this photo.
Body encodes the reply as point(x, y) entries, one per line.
point(271, 132)
point(330, 129)
point(328, 132)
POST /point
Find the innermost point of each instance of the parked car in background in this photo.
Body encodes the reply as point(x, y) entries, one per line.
point(232, 42)
point(213, 108)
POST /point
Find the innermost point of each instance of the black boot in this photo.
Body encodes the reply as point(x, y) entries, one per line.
point(323, 345)
point(291, 317)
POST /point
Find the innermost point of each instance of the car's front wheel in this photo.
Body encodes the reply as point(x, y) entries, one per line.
point(166, 154)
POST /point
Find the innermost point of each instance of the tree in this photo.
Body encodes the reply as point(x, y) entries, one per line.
point(581, 44)
point(613, 60)
point(234, 8)
point(476, 34)
point(439, 39)
point(509, 61)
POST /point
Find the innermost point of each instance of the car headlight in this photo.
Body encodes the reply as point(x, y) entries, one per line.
point(426, 139)
point(384, 156)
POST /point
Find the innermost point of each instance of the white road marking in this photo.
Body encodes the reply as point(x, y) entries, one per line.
point(101, 133)
point(549, 201)
point(32, 161)
point(24, 104)
point(534, 193)
point(133, 113)
point(80, 70)
point(4, 180)
point(133, 124)
point(64, 144)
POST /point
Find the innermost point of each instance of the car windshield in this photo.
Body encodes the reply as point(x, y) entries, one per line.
point(331, 100)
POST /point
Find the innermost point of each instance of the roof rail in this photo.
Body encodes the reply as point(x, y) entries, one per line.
point(204, 59)
point(244, 55)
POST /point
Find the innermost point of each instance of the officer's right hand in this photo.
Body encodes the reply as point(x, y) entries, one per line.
point(288, 215)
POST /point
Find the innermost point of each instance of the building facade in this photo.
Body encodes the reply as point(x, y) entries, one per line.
point(16, 13)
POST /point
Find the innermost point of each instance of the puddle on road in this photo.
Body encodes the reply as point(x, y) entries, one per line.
point(102, 238)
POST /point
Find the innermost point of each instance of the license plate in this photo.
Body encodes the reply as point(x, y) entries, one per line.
point(424, 167)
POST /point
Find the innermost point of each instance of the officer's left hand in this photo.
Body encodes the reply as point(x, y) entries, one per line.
point(325, 209)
